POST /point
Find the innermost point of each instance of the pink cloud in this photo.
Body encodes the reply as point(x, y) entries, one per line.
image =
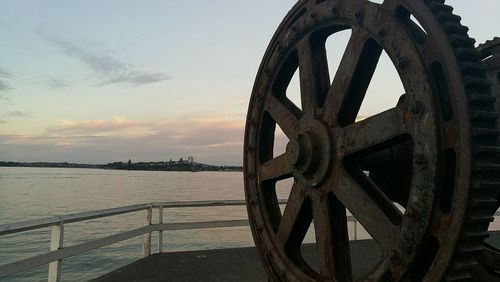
point(217, 140)
point(95, 126)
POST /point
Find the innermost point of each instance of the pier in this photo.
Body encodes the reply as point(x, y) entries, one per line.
point(207, 265)
point(235, 264)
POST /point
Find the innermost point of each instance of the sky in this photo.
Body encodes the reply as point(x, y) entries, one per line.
point(100, 81)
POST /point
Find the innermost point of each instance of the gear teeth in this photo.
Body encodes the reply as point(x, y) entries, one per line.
point(467, 54)
point(475, 235)
point(464, 264)
point(459, 40)
point(454, 28)
point(479, 99)
point(437, 7)
point(484, 203)
point(485, 132)
point(486, 167)
point(443, 17)
point(488, 45)
point(473, 68)
point(486, 149)
point(485, 184)
point(482, 115)
point(458, 276)
point(475, 219)
point(430, 2)
point(477, 83)
point(470, 249)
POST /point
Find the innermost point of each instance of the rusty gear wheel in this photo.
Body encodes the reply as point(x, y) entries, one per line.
point(442, 134)
point(489, 259)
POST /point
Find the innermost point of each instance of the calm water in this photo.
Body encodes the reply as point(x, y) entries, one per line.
point(31, 193)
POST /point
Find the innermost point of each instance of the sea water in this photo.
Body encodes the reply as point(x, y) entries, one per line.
point(33, 193)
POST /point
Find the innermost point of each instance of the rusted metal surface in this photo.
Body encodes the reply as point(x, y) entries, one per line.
point(439, 142)
point(489, 258)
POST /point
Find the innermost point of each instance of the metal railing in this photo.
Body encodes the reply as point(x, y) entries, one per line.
point(57, 223)
point(58, 252)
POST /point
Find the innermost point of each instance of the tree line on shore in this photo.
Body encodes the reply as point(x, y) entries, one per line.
point(180, 165)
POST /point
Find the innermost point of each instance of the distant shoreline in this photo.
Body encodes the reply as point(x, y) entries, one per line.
point(146, 166)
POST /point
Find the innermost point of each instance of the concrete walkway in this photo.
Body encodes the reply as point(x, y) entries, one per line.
point(237, 264)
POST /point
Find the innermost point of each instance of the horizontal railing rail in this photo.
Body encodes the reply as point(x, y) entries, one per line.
point(71, 218)
point(76, 217)
point(58, 252)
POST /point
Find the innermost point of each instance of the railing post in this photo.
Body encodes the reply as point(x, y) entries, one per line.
point(146, 242)
point(160, 233)
point(56, 242)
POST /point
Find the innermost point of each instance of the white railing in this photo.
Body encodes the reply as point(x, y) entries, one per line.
point(58, 252)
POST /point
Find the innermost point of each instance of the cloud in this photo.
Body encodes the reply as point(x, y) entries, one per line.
point(4, 84)
point(114, 125)
point(216, 140)
point(16, 114)
point(5, 99)
point(5, 74)
point(55, 83)
point(207, 135)
point(104, 64)
point(136, 78)
point(13, 114)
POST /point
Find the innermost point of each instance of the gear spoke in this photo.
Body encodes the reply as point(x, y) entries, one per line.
point(283, 115)
point(373, 131)
point(275, 169)
point(367, 211)
point(314, 77)
point(352, 78)
point(295, 218)
point(332, 238)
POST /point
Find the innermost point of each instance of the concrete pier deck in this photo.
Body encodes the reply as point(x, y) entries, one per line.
point(236, 264)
